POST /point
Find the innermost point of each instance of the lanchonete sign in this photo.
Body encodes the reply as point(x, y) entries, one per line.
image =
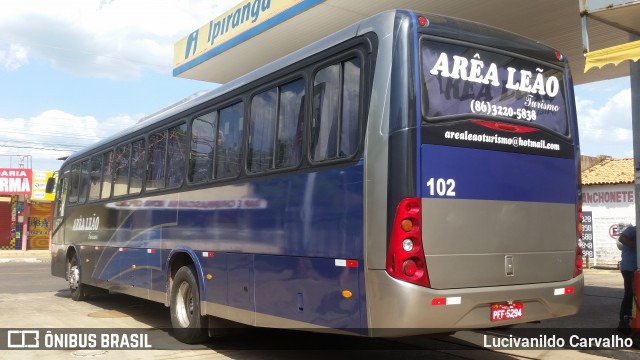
point(15, 181)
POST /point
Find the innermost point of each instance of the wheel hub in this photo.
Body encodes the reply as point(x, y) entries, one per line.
point(74, 277)
point(184, 307)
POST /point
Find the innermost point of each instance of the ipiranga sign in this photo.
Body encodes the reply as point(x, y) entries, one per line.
point(249, 18)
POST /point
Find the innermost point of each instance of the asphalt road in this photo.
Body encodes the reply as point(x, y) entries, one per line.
point(28, 277)
point(31, 298)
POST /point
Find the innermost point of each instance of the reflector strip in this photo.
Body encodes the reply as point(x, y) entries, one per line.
point(439, 301)
point(347, 263)
point(455, 300)
point(207, 254)
point(564, 291)
point(151, 251)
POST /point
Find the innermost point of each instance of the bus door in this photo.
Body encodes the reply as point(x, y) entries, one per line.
point(498, 172)
point(58, 224)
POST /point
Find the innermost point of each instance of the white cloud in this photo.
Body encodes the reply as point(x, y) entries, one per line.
point(116, 124)
point(606, 129)
point(113, 39)
point(54, 134)
point(13, 57)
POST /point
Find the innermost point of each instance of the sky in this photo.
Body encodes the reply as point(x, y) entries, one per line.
point(73, 72)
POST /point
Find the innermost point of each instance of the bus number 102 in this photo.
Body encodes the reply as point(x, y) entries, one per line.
point(442, 187)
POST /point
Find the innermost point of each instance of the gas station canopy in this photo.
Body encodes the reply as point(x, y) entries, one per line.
point(256, 32)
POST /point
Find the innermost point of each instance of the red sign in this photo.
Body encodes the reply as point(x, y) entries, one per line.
point(15, 181)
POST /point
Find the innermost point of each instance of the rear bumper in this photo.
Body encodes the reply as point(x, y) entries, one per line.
point(397, 308)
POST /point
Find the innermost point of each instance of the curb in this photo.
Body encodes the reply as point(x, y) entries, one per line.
point(24, 260)
point(600, 270)
point(30, 256)
point(28, 253)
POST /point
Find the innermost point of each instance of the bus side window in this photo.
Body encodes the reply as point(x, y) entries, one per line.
point(262, 126)
point(121, 163)
point(137, 167)
point(156, 159)
point(176, 158)
point(74, 185)
point(107, 174)
point(95, 177)
point(229, 143)
point(203, 138)
point(350, 124)
point(336, 103)
point(290, 124)
point(275, 128)
point(84, 182)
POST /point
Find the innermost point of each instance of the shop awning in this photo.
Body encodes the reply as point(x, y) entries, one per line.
point(617, 15)
point(613, 55)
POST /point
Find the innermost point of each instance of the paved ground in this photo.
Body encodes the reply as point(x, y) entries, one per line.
point(49, 307)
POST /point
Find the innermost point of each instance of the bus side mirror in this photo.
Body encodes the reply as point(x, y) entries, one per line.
point(51, 183)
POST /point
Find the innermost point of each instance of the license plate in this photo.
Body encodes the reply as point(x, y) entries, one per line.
point(501, 312)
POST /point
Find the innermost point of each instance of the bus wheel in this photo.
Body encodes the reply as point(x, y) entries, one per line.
point(78, 291)
point(186, 317)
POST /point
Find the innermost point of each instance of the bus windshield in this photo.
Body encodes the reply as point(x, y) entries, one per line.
point(462, 80)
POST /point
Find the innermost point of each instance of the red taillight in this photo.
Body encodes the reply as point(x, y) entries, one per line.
point(504, 126)
point(409, 268)
point(405, 256)
point(578, 264)
point(422, 21)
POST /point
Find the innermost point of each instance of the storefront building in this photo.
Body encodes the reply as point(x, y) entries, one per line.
point(25, 209)
point(608, 206)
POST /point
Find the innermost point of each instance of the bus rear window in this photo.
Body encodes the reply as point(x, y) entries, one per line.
point(465, 80)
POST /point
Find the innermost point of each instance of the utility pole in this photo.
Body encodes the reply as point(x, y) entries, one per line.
point(634, 78)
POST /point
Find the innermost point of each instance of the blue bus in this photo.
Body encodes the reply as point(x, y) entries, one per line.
point(409, 174)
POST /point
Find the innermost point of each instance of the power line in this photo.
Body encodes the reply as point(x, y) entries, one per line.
point(39, 148)
point(57, 134)
point(42, 143)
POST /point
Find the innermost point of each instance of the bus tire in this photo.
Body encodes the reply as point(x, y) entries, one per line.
point(186, 319)
point(78, 289)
